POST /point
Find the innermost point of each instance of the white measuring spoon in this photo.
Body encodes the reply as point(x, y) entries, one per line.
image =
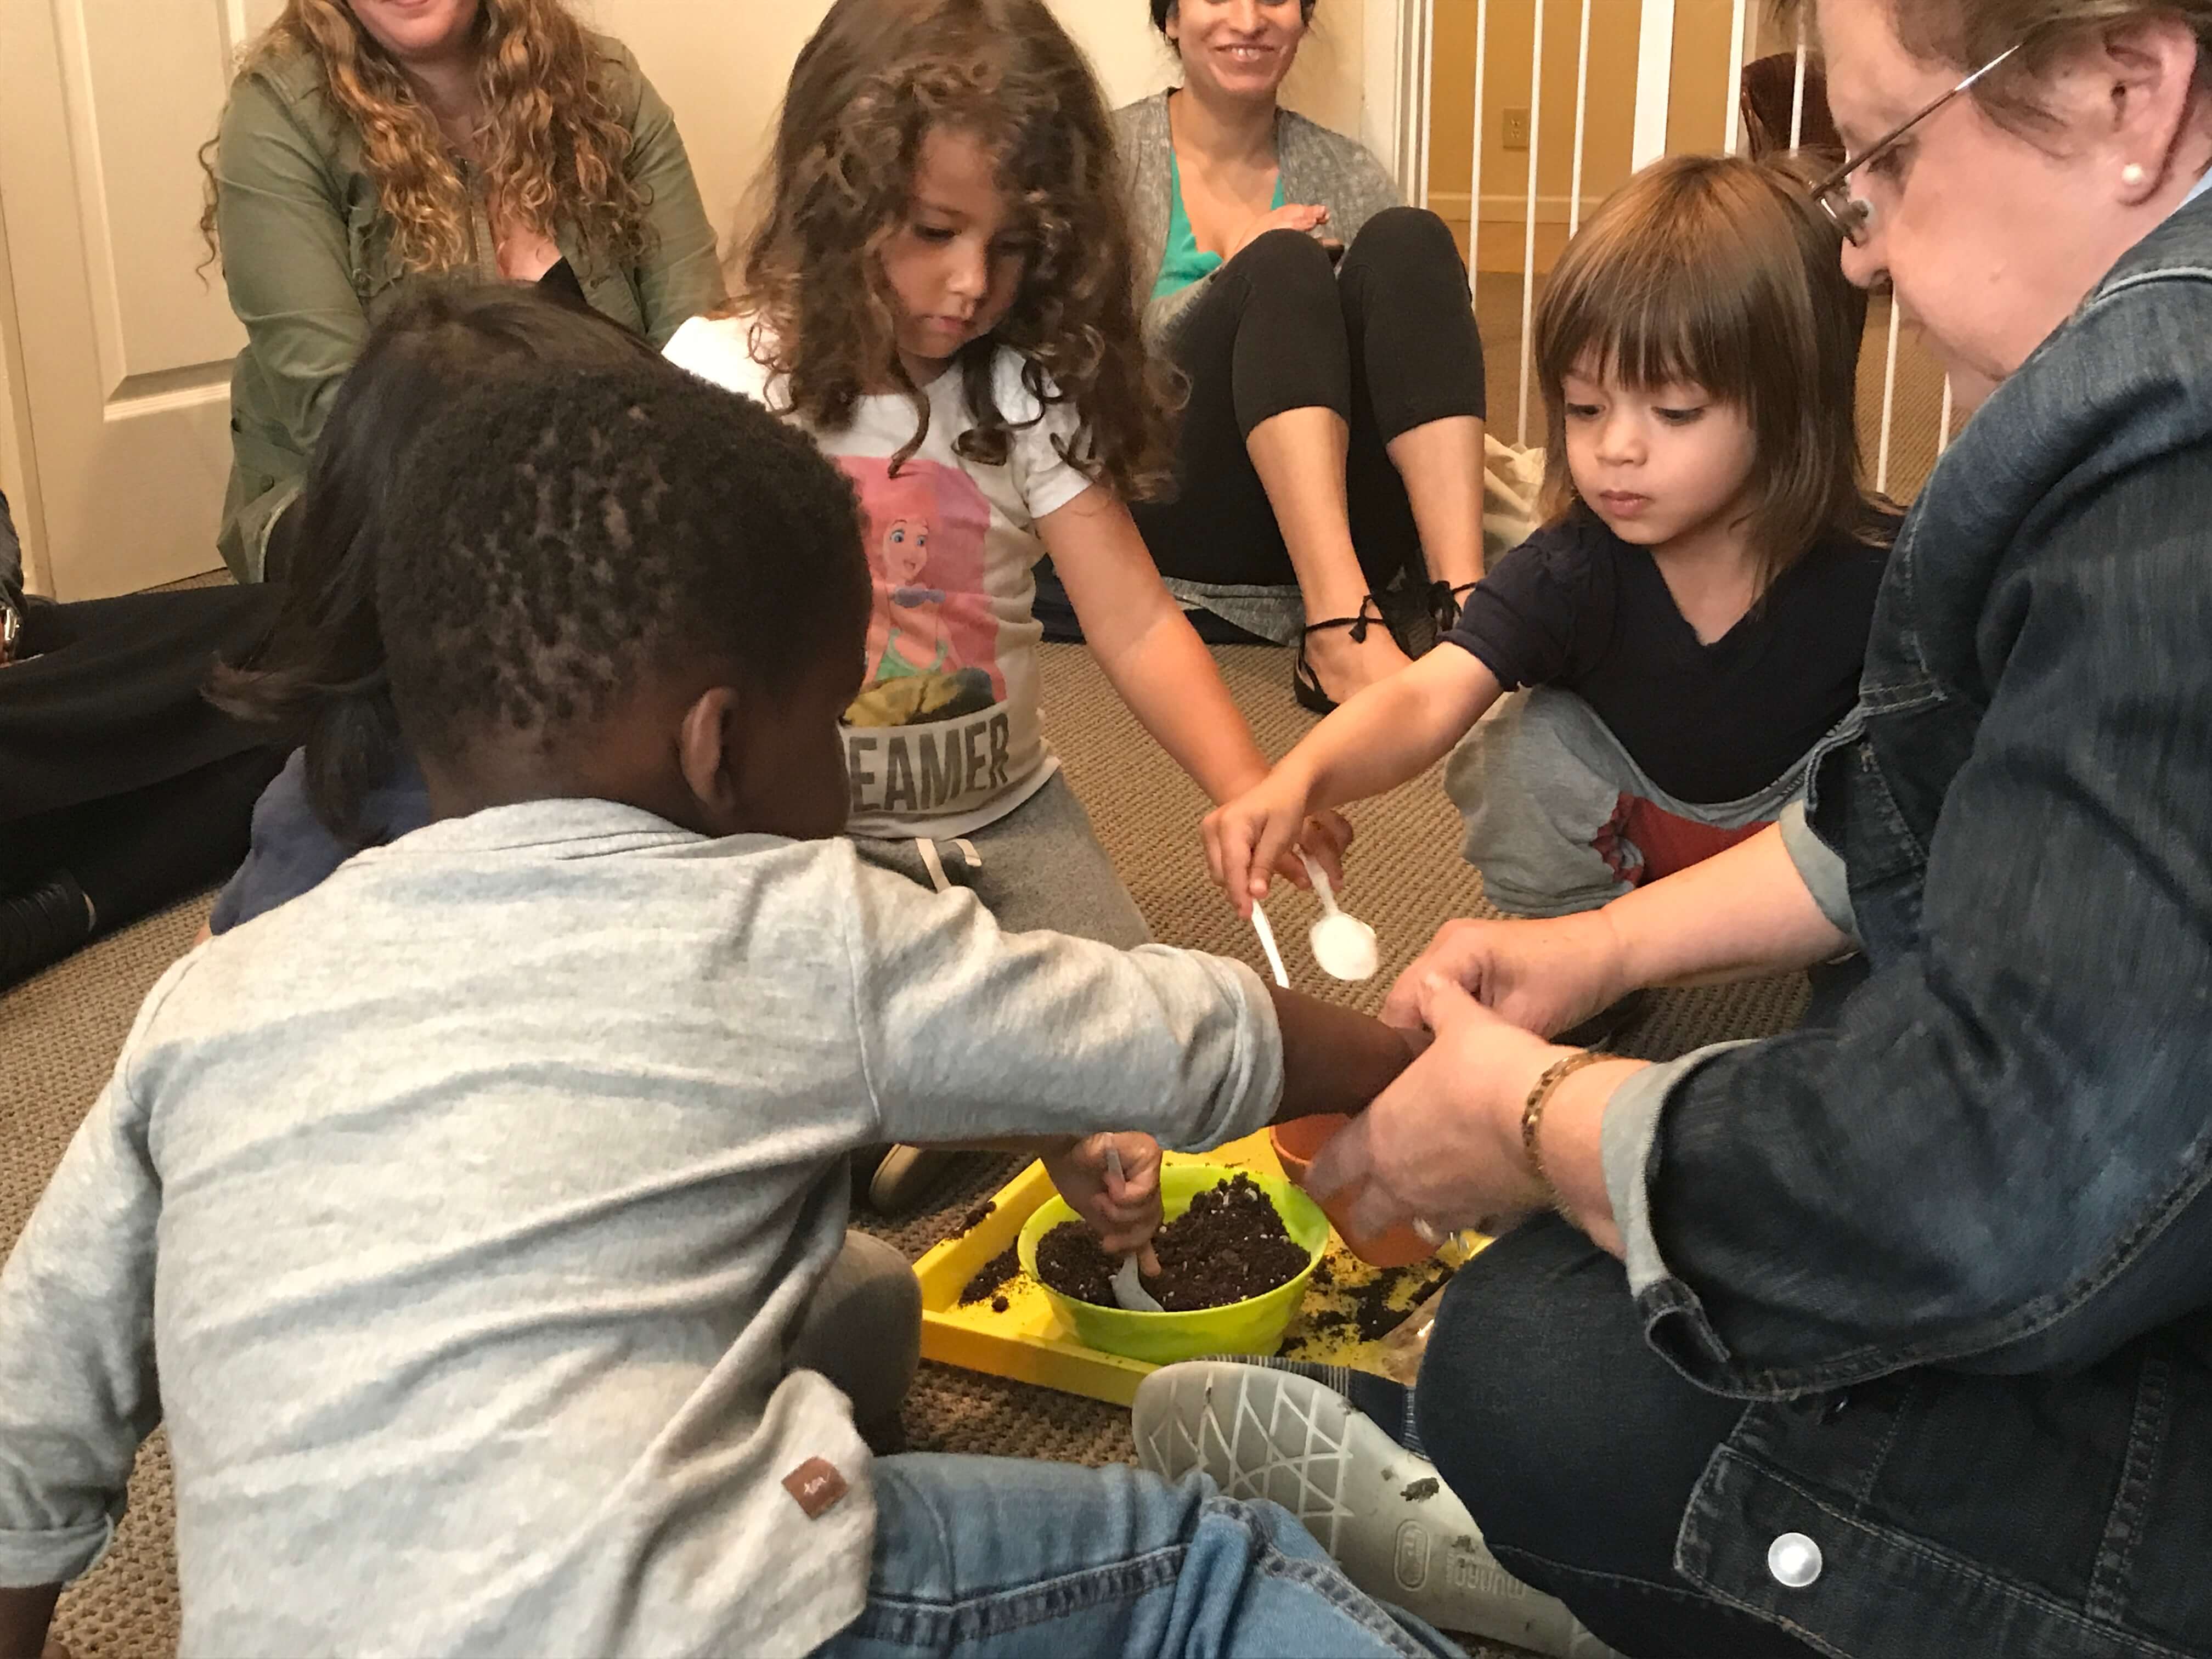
point(1128, 1288)
point(1343, 944)
point(1267, 944)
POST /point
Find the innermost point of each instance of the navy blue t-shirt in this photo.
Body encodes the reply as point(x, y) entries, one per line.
point(1576, 607)
point(292, 850)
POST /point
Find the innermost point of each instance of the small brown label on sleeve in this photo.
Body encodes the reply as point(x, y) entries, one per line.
point(814, 1486)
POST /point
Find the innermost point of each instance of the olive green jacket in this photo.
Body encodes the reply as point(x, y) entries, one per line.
point(307, 254)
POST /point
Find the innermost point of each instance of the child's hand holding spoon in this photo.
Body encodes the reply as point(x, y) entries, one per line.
point(1094, 1176)
point(1128, 1288)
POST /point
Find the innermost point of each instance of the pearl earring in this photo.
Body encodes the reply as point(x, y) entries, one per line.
point(2132, 174)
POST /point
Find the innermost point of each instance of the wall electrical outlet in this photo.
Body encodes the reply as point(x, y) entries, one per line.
point(1516, 129)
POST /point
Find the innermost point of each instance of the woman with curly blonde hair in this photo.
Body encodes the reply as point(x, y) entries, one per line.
point(368, 142)
point(941, 289)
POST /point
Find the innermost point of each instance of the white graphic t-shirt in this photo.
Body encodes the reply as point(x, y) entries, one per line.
point(945, 736)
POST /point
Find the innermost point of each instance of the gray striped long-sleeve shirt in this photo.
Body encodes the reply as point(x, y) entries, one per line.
point(466, 1207)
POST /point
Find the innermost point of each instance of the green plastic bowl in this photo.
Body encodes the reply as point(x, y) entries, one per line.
point(1254, 1325)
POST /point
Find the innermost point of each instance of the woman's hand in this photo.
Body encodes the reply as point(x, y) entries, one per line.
point(1291, 215)
point(1540, 975)
point(1442, 1145)
point(1125, 1214)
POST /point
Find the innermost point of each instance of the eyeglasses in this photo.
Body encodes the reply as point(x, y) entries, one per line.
point(1854, 215)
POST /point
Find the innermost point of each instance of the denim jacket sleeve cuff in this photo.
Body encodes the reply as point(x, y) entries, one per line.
point(1626, 1141)
point(1821, 869)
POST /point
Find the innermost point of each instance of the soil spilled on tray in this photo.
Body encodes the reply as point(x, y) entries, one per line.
point(1379, 1308)
point(1229, 1246)
point(1357, 1306)
point(993, 1274)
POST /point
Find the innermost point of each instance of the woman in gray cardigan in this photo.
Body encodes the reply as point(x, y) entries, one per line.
point(1332, 445)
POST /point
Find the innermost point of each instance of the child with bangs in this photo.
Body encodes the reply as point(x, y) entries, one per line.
point(942, 290)
point(1692, 619)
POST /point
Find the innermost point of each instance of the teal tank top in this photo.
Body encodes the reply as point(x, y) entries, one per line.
point(1183, 263)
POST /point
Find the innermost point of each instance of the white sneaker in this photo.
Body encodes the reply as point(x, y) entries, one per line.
point(1380, 1512)
point(905, 1177)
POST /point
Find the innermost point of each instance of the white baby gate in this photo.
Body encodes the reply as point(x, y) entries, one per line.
point(1423, 67)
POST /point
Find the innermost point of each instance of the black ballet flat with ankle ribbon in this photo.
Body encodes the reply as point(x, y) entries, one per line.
point(1445, 603)
point(1305, 684)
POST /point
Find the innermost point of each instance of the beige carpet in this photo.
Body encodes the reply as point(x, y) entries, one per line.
point(60, 1032)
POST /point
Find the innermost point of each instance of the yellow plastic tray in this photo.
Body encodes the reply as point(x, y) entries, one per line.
point(1029, 1343)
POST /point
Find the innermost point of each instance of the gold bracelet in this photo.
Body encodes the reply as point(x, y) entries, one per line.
point(1532, 1113)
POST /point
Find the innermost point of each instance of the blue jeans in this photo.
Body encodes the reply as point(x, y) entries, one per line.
point(992, 1556)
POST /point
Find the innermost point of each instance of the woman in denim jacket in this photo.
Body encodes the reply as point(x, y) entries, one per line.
point(1912, 1357)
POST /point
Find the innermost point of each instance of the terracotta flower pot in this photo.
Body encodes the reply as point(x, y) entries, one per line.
point(1296, 1143)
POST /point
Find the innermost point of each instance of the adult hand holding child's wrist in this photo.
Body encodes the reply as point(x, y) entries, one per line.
point(1442, 1144)
point(1545, 976)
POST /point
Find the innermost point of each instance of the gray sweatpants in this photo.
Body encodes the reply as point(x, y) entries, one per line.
point(1560, 818)
point(863, 1329)
point(1040, 866)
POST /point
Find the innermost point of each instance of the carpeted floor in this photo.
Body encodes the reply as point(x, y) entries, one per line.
point(59, 1033)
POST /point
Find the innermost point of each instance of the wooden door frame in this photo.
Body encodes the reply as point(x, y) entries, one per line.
point(18, 471)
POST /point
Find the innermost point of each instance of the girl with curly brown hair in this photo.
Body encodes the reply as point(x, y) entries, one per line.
point(370, 142)
point(941, 289)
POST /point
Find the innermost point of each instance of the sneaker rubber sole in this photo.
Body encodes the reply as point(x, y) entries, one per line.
point(1381, 1512)
point(905, 1177)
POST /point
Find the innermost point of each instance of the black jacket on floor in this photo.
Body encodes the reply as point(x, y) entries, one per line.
point(113, 764)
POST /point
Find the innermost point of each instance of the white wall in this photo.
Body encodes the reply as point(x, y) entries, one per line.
point(1387, 30)
point(721, 65)
point(724, 79)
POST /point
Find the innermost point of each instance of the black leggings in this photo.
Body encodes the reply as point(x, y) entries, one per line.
point(1386, 338)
